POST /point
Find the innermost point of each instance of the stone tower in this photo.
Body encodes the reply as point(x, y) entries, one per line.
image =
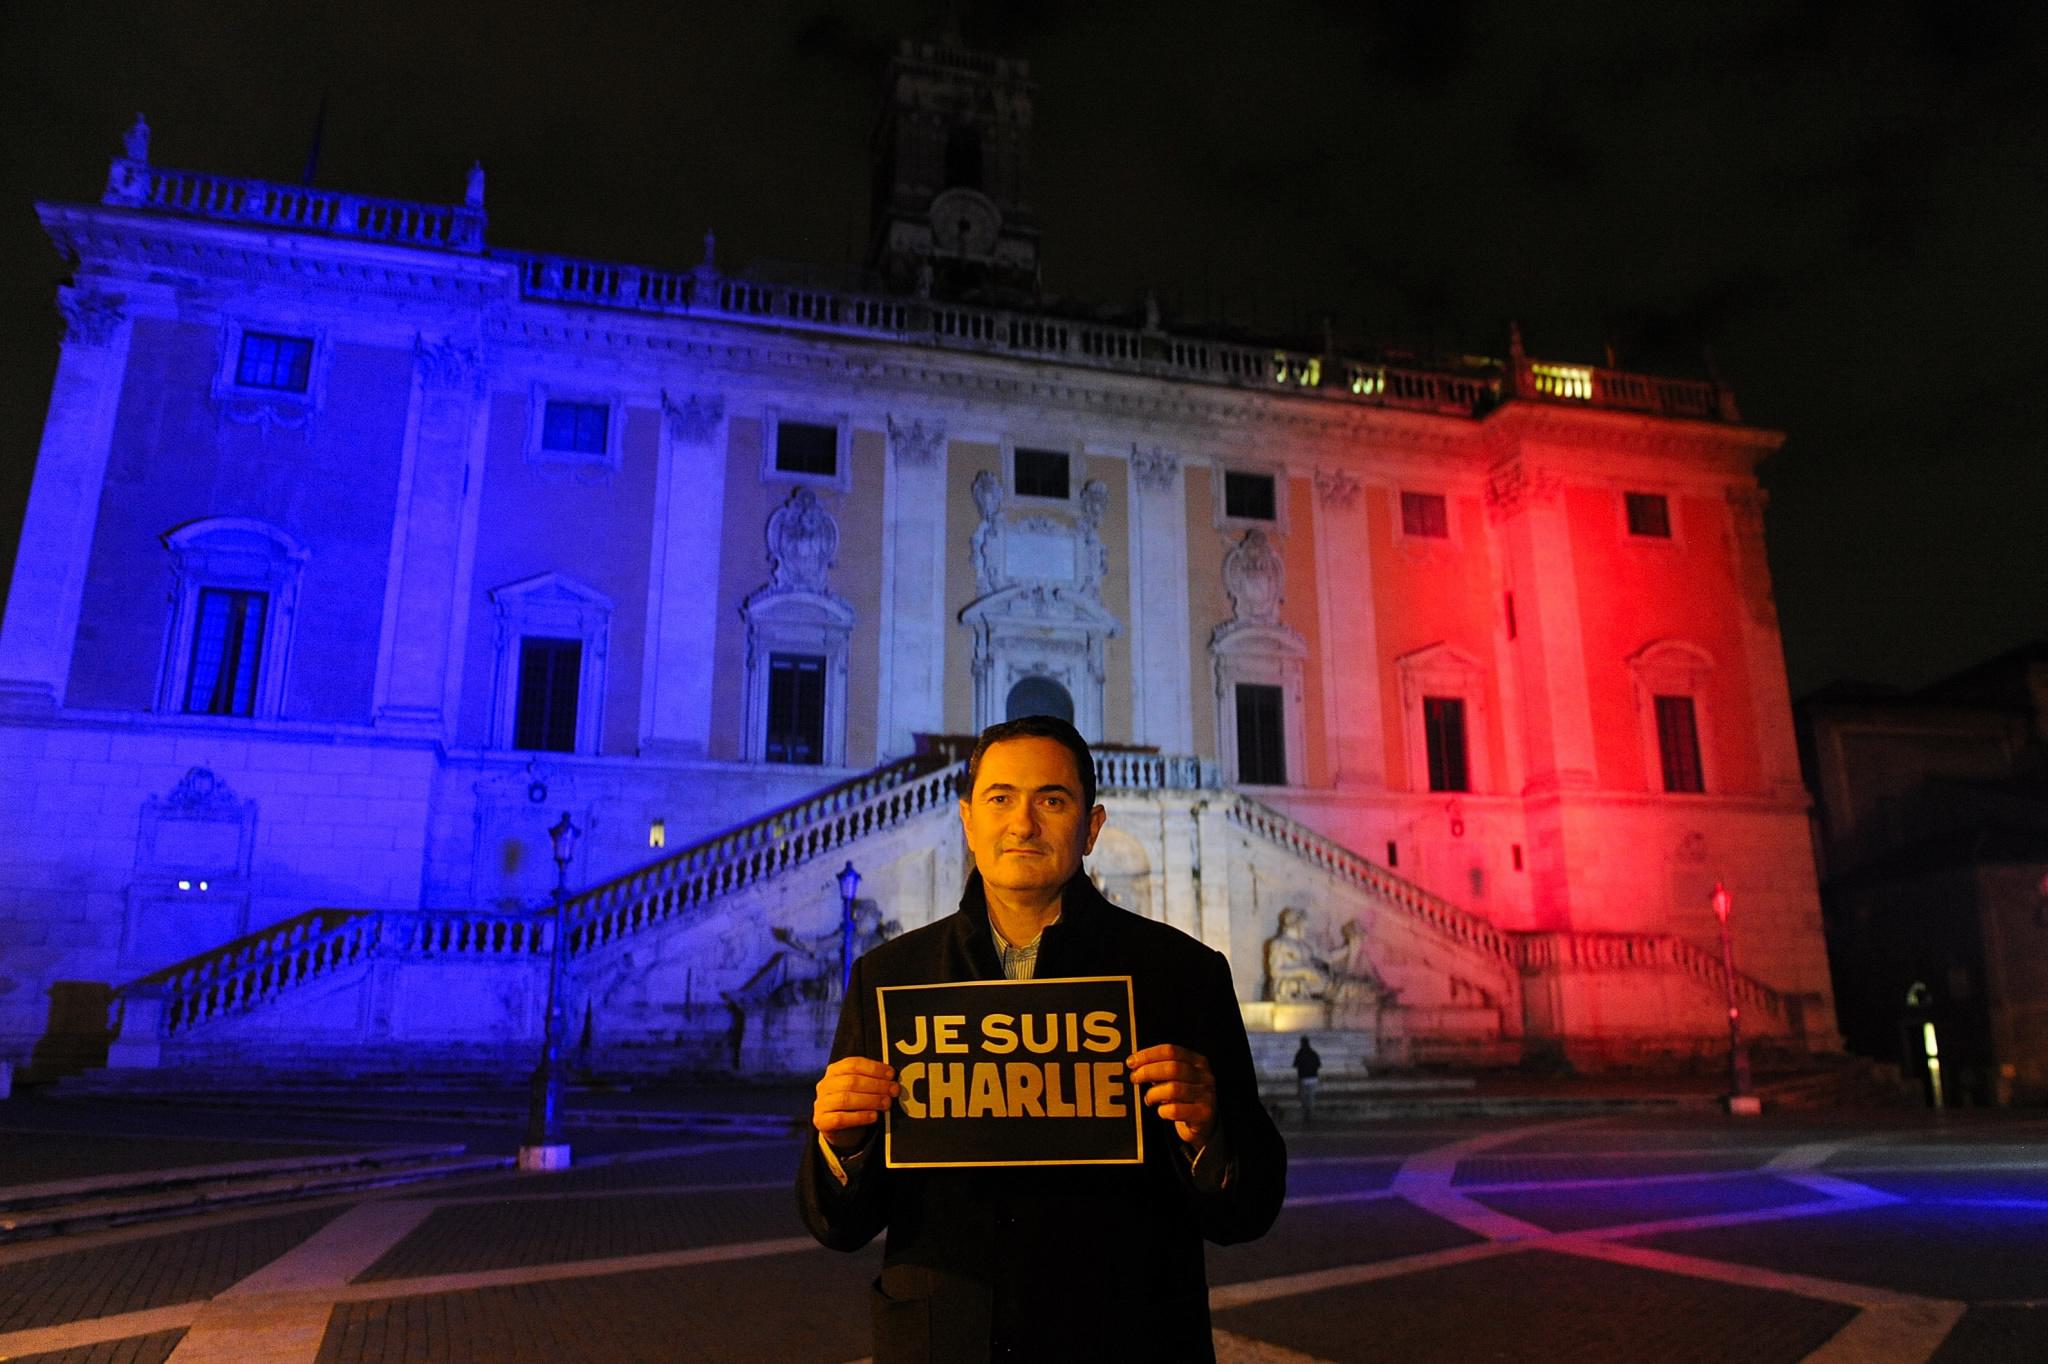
point(950, 215)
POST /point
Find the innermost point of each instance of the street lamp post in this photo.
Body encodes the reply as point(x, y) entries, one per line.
point(849, 886)
point(1740, 1100)
point(544, 1148)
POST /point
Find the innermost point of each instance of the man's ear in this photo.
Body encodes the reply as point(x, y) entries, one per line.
point(1096, 819)
point(966, 829)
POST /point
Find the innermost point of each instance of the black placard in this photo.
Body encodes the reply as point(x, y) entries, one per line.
point(1011, 1072)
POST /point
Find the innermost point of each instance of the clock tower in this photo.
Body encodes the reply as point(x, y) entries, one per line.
point(949, 213)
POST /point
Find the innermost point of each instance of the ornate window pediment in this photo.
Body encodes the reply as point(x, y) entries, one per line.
point(234, 600)
point(1254, 654)
point(798, 628)
point(1443, 672)
point(550, 606)
point(1039, 618)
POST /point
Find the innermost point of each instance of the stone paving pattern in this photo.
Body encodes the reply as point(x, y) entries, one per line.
point(153, 1348)
point(41, 1157)
point(157, 1270)
point(1538, 1306)
point(1668, 1237)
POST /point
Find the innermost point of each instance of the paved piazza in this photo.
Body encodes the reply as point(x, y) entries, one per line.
point(1689, 1237)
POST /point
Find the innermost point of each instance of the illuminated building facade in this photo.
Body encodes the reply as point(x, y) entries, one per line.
point(359, 550)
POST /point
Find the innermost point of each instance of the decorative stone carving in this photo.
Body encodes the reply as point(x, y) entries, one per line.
point(1155, 468)
point(447, 367)
point(1342, 978)
point(1039, 613)
point(918, 443)
point(135, 142)
point(695, 419)
point(1747, 505)
point(473, 187)
point(90, 318)
point(1515, 487)
point(1254, 576)
point(803, 541)
point(1337, 489)
point(200, 794)
point(985, 550)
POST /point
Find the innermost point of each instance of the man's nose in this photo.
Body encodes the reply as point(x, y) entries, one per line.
point(1023, 816)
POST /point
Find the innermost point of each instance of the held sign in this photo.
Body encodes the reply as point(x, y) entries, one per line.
point(1011, 1072)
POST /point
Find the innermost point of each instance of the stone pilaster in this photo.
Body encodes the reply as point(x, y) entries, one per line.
point(443, 444)
point(1352, 694)
point(1162, 709)
point(1526, 504)
point(688, 529)
point(913, 627)
point(64, 501)
point(1771, 692)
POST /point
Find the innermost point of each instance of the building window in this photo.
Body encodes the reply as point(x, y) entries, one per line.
point(552, 636)
point(807, 448)
point(1678, 744)
point(550, 674)
point(1042, 473)
point(581, 428)
point(1426, 515)
point(267, 360)
point(1444, 719)
point(1250, 497)
point(1443, 724)
point(235, 593)
point(1673, 696)
point(227, 652)
point(1649, 514)
point(796, 709)
point(1261, 735)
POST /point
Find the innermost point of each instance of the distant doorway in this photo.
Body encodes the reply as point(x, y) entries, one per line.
point(1039, 696)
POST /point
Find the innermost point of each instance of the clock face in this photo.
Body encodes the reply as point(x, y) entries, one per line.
point(965, 222)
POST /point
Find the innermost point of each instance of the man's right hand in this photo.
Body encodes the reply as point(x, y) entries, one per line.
point(852, 1095)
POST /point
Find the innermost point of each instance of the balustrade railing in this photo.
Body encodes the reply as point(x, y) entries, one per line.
point(1432, 910)
point(1123, 770)
point(1590, 951)
point(776, 842)
point(252, 970)
point(301, 207)
point(704, 293)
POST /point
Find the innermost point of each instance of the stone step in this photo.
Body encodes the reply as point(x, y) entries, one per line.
point(67, 1206)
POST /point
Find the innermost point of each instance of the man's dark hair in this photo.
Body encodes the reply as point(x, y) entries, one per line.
point(1037, 727)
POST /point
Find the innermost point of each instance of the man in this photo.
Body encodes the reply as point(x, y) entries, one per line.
point(1308, 1064)
point(1071, 1262)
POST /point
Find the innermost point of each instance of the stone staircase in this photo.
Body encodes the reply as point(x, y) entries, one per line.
point(656, 953)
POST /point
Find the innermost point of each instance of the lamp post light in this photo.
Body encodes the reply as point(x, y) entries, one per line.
point(544, 1148)
point(849, 886)
point(1740, 1099)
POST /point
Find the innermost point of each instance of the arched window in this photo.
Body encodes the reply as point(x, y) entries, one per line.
point(235, 594)
point(1039, 696)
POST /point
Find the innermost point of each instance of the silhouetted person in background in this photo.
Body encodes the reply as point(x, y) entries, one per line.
point(1307, 1065)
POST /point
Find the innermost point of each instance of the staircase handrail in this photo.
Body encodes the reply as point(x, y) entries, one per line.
point(1433, 910)
point(762, 847)
point(1549, 949)
point(248, 971)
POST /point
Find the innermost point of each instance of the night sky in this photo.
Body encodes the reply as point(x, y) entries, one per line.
point(1844, 203)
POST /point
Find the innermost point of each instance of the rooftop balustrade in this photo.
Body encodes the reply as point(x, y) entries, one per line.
point(1466, 389)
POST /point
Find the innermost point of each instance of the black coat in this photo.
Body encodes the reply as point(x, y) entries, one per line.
point(1066, 1263)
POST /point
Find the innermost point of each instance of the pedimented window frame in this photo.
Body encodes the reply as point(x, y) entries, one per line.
point(552, 606)
point(239, 554)
point(796, 622)
point(1673, 667)
point(1444, 670)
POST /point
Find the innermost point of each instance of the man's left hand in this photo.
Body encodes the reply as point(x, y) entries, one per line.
point(1178, 1083)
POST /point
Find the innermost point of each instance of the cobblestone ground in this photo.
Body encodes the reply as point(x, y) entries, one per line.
point(1681, 1238)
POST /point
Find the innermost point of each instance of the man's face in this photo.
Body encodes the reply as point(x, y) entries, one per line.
point(1024, 820)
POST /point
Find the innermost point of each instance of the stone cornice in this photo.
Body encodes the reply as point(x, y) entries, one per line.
point(1510, 428)
point(202, 255)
